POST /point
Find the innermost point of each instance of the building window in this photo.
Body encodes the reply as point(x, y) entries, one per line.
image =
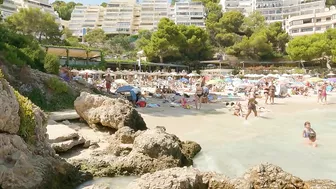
point(307, 21)
point(327, 27)
point(295, 31)
point(318, 20)
point(328, 18)
point(318, 28)
point(306, 29)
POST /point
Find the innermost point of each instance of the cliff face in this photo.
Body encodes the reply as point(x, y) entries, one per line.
point(26, 159)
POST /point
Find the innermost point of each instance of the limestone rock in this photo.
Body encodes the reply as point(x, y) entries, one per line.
point(67, 145)
point(9, 109)
point(157, 143)
point(175, 178)
point(190, 148)
point(268, 176)
point(217, 181)
point(60, 133)
point(109, 112)
point(126, 135)
point(320, 184)
point(64, 115)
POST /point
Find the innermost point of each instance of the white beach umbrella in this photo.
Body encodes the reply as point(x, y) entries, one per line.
point(121, 81)
point(331, 74)
point(307, 76)
point(74, 71)
point(193, 75)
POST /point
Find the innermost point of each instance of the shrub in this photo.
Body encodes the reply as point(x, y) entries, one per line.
point(51, 64)
point(1, 74)
point(57, 86)
point(27, 119)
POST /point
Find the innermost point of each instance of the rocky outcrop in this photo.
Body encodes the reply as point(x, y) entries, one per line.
point(26, 159)
point(190, 148)
point(181, 178)
point(263, 176)
point(109, 112)
point(63, 138)
point(9, 109)
point(268, 176)
point(137, 153)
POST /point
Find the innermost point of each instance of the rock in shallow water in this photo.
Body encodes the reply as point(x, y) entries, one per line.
point(109, 112)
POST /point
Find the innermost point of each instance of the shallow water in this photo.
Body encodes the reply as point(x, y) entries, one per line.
point(115, 183)
point(232, 149)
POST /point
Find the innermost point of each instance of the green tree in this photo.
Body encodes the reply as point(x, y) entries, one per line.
point(253, 22)
point(119, 45)
point(307, 48)
point(277, 36)
point(64, 9)
point(103, 4)
point(231, 22)
point(34, 22)
point(144, 37)
point(330, 3)
point(51, 64)
point(95, 37)
point(196, 45)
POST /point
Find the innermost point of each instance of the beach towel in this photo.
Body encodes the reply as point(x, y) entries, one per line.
point(153, 105)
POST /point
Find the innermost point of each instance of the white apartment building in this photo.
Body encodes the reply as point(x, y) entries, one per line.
point(86, 17)
point(188, 13)
point(275, 10)
point(10, 7)
point(121, 17)
point(151, 13)
point(311, 23)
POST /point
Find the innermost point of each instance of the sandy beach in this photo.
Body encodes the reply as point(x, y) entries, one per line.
point(230, 144)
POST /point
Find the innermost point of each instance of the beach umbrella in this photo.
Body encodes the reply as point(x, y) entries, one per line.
point(332, 79)
point(314, 79)
point(306, 76)
point(126, 88)
point(228, 80)
point(184, 80)
point(285, 75)
point(74, 71)
point(214, 81)
point(297, 84)
point(193, 75)
point(331, 74)
point(121, 81)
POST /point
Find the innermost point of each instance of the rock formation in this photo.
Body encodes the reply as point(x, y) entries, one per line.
point(263, 176)
point(109, 112)
point(26, 159)
point(64, 138)
point(136, 153)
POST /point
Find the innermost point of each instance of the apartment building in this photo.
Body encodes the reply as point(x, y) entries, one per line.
point(311, 23)
point(188, 13)
point(151, 12)
point(275, 10)
point(86, 17)
point(10, 7)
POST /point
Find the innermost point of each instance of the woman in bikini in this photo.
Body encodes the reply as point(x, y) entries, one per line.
point(266, 91)
point(272, 92)
point(251, 105)
point(198, 96)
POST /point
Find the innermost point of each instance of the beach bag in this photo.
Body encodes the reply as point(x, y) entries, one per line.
point(141, 104)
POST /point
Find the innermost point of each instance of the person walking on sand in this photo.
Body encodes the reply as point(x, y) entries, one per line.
point(251, 105)
point(108, 81)
point(198, 96)
point(272, 92)
point(324, 93)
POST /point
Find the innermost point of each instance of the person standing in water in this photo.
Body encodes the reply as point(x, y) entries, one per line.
point(309, 133)
point(251, 105)
point(324, 93)
point(198, 96)
point(272, 92)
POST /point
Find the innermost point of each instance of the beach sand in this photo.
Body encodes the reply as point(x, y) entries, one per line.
point(231, 145)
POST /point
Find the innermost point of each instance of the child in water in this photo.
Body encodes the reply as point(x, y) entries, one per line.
point(309, 133)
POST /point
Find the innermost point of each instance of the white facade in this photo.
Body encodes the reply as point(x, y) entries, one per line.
point(151, 13)
point(311, 23)
point(128, 17)
point(275, 10)
point(10, 7)
point(88, 17)
point(188, 13)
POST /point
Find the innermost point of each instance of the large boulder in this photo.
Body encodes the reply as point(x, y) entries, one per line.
point(26, 159)
point(268, 176)
point(137, 153)
point(181, 178)
point(9, 109)
point(109, 112)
